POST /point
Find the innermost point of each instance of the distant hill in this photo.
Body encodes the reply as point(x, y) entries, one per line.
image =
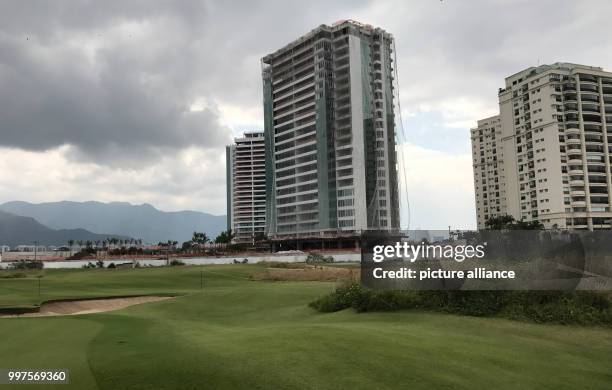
point(17, 230)
point(136, 221)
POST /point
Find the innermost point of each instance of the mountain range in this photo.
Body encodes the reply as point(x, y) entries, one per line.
point(120, 218)
point(17, 230)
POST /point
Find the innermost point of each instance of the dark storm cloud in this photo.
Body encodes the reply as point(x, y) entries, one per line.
point(117, 79)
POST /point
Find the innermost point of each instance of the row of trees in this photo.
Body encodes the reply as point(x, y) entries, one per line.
point(106, 244)
point(198, 242)
point(507, 222)
point(199, 238)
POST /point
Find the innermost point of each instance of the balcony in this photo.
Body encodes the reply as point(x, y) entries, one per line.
point(591, 108)
point(588, 87)
point(591, 118)
point(592, 128)
point(570, 97)
point(591, 138)
point(599, 180)
point(589, 97)
point(569, 88)
point(572, 130)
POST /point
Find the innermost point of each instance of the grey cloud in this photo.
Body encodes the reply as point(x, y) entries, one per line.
point(116, 79)
point(450, 49)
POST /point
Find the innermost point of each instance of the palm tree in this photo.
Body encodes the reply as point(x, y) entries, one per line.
point(70, 244)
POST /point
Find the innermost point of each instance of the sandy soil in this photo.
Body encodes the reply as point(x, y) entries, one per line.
point(87, 306)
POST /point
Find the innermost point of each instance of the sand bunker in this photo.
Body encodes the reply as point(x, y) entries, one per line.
point(87, 306)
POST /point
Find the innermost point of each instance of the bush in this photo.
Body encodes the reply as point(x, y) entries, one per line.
point(341, 299)
point(176, 262)
point(27, 264)
point(274, 264)
point(579, 307)
point(314, 258)
point(82, 254)
point(112, 265)
point(475, 303)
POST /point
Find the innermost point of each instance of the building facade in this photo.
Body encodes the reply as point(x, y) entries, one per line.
point(556, 128)
point(330, 133)
point(246, 187)
point(488, 164)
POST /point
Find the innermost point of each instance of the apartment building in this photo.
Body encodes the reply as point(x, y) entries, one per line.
point(556, 127)
point(246, 187)
point(488, 160)
point(330, 133)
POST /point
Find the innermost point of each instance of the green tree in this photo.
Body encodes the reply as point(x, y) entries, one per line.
point(224, 237)
point(507, 222)
point(70, 245)
point(199, 238)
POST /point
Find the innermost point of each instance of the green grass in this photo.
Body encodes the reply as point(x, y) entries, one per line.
point(262, 335)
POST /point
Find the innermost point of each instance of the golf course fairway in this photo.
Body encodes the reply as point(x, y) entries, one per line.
point(237, 333)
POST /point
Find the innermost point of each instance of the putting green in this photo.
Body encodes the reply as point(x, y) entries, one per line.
point(238, 333)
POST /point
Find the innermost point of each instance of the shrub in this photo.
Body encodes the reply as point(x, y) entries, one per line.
point(84, 253)
point(27, 264)
point(176, 262)
point(112, 265)
point(314, 258)
point(579, 307)
point(274, 264)
point(341, 299)
point(475, 303)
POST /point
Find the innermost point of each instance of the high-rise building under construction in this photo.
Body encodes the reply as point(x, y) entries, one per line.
point(331, 166)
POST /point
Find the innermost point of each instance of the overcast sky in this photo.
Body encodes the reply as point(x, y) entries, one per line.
point(135, 100)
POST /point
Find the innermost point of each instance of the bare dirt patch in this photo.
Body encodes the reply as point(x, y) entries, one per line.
point(88, 306)
point(307, 273)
